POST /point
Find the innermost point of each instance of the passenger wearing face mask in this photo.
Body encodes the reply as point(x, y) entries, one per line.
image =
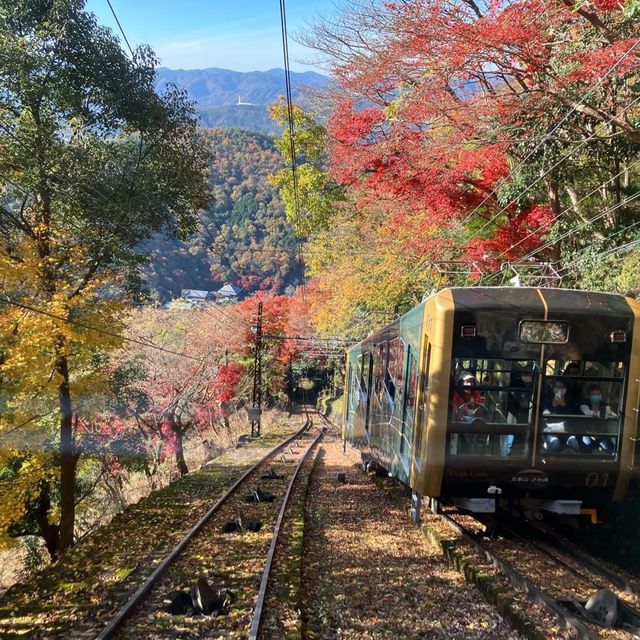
point(560, 401)
point(594, 405)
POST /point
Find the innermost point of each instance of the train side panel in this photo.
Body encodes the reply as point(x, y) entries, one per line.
point(630, 447)
point(429, 443)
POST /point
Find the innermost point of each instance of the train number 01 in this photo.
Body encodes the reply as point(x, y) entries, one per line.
point(594, 479)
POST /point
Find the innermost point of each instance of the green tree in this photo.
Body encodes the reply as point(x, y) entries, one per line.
point(317, 192)
point(92, 163)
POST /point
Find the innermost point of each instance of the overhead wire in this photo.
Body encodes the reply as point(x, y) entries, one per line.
point(124, 35)
point(530, 185)
point(556, 127)
point(90, 327)
point(583, 225)
point(291, 127)
point(92, 190)
point(98, 193)
point(569, 208)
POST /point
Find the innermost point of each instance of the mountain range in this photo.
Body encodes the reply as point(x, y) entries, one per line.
point(235, 99)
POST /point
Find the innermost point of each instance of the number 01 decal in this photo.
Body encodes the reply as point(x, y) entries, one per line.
point(594, 479)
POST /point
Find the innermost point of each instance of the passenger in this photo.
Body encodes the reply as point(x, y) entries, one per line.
point(560, 401)
point(518, 407)
point(572, 370)
point(594, 405)
point(467, 403)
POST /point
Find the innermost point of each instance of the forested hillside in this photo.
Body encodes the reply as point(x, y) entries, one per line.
point(243, 238)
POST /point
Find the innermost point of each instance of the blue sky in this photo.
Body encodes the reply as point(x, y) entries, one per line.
point(243, 35)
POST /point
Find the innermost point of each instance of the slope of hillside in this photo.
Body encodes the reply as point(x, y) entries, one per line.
point(244, 238)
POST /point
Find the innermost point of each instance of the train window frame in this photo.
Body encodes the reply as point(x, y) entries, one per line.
point(572, 435)
point(394, 373)
point(522, 325)
point(504, 438)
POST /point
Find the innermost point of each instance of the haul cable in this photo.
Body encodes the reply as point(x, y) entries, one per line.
point(515, 577)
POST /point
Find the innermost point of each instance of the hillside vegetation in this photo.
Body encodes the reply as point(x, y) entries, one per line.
point(243, 238)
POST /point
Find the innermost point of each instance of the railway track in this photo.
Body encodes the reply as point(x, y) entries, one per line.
point(553, 578)
point(616, 576)
point(211, 578)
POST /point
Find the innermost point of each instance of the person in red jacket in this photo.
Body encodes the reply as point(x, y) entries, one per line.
point(467, 403)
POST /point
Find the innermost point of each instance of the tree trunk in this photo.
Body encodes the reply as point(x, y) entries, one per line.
point(182, 465)
point(68, 458)
point(49, 532)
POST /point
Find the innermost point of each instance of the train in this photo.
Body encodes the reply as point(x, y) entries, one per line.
point(523, 399)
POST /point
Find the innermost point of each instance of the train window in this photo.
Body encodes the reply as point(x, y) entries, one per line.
point(584, 369)
point(394, 374)
point(544, 331)
point(364, 372)
point(581, 407)
point(491, 407)
point(412, 382)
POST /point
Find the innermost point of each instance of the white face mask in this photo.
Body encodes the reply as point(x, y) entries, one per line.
point(560, 392)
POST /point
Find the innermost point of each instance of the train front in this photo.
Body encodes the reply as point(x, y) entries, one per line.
point(543, 399)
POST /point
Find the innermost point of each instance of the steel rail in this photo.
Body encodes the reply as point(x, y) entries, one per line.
point(629, 610)
point(568, 547)
point(125, 611)
point(533, 592)
point(257, 615)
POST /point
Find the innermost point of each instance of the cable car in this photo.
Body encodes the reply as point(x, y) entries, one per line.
point(492, 397)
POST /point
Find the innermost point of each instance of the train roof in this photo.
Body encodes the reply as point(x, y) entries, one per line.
point(532, 299)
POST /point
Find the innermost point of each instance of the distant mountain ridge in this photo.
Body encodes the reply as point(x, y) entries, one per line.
point(236, 99)
point(222, 87)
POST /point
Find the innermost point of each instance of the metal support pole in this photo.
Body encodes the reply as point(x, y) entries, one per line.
point(257, 377)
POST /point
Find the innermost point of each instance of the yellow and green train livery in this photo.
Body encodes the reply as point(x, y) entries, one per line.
point(492, 397)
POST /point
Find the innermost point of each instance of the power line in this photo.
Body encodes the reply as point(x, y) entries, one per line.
point(587, 223)
point(124, 35)
point(543, 175)
point(573, 205)
point(291, 123)
point(564, 119)
point(84, 325)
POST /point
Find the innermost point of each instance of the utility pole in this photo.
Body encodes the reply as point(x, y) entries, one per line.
point(257, 377)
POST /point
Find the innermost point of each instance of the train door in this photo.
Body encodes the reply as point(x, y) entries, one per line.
point(408, 413)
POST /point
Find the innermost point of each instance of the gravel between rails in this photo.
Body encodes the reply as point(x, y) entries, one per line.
point(368, 573)
point(74, 597)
